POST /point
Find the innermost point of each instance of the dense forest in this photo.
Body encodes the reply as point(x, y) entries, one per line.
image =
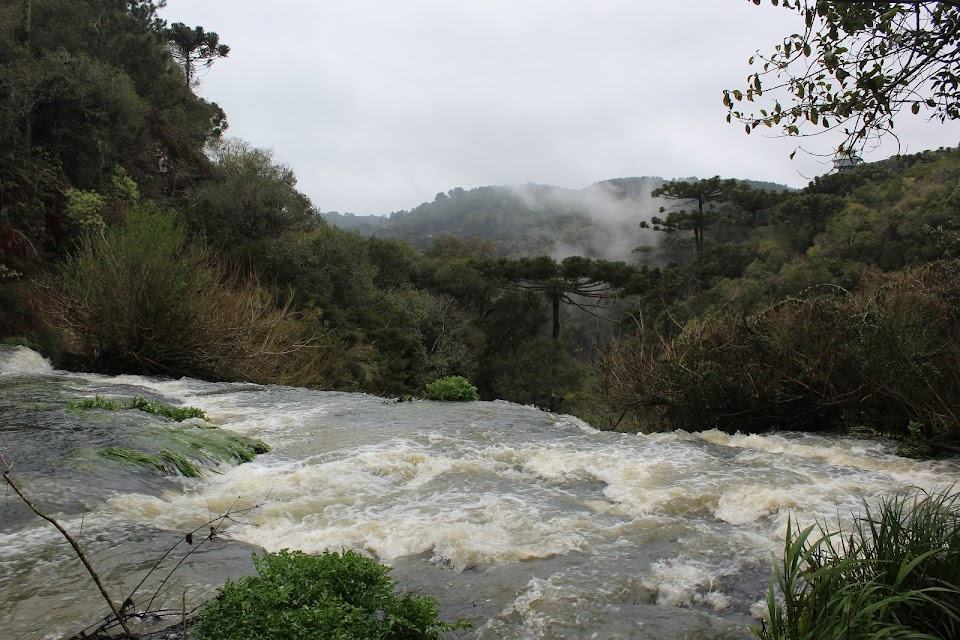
point(135, 236)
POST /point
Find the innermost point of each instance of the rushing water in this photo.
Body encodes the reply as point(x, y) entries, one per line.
point(527, 524)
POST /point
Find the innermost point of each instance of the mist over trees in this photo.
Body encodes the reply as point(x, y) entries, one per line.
point(525, 220)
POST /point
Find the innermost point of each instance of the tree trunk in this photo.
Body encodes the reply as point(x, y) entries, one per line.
point(26, 24)
point(698, 226)
point(25, 30)
point(556, 316)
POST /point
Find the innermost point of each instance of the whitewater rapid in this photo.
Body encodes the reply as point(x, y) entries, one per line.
point(525, 523)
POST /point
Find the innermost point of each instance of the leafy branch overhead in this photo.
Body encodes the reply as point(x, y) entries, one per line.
point(853, 67)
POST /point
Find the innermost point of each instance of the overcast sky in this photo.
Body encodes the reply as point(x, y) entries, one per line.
point(378, 105)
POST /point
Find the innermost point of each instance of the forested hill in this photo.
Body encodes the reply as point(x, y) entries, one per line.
point(529, 219)
point(600, 221)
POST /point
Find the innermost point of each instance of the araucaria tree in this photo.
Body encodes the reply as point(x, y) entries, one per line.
point(194, 46)
point(854, 66)
point(568, 281)
point(702, 192)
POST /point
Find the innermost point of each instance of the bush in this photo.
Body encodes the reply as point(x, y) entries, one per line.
point(330, 595)
point(452, 389)
point(141, 298)
point(895, 575)
point(884, 358)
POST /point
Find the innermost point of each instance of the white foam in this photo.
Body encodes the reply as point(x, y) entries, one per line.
point(20, 361)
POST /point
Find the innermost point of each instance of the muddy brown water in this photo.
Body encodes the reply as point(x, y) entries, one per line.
point(525, 523)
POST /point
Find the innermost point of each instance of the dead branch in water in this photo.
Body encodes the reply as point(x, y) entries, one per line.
point(122, 614)
point(7, 468)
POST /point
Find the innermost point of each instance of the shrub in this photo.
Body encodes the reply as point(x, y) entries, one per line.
point(85, 210)
point(895, 575)
point(884, 358)
point(330, 595)
point(452, 389)
point(141, 298)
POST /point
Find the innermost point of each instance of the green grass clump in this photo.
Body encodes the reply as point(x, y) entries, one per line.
point(452, 389)
point(177, 414)
point(225, 446)
point(98, 402)
point(18, 341)
point(896, 574)
point(187, 451)
point(332, 595)
point(132, 456)
point(175, 461)
point(165, 461)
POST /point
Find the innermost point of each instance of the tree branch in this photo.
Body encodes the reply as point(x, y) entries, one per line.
point(7, 468)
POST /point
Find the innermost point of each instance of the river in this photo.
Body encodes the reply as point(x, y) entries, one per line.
point(525, 523)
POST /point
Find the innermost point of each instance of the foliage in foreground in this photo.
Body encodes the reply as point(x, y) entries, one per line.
point(452, 389)
point(895, 575)
point(331, 595)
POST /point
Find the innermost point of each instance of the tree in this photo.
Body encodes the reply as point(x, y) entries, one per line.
point(568, 281)
point(703, 192)
point(854, 66)
point(192, 46)
point(749, 203)
point(252, 196)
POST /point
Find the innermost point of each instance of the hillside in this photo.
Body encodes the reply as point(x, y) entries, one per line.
point(525, 220)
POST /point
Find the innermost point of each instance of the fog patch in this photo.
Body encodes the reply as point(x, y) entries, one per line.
point(613, 209)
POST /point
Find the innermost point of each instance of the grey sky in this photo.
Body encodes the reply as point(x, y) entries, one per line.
point(378, 105)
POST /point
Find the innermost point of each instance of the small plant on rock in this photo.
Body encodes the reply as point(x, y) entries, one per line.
point(452, 389)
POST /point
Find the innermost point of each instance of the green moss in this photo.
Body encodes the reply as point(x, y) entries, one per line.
point(18, 341)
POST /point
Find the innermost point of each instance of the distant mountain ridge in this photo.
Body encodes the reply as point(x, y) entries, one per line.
point(600, 221)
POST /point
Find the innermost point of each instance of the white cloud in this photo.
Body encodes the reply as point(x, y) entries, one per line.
point(377, 106)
